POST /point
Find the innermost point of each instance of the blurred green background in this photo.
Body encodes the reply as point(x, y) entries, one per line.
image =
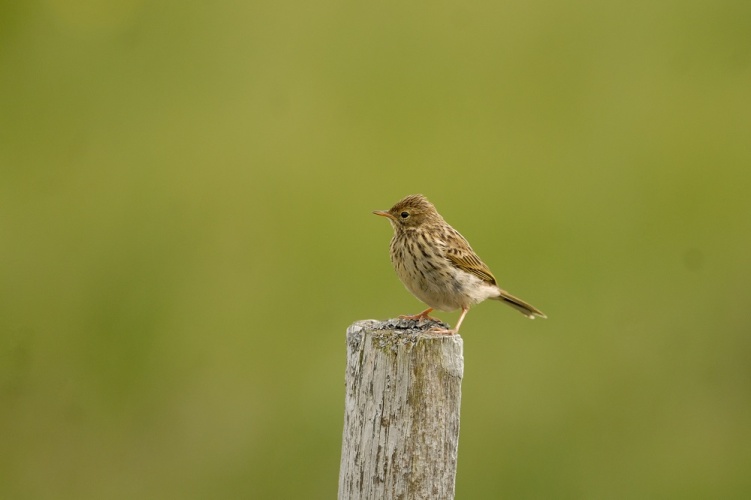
point(185, 234)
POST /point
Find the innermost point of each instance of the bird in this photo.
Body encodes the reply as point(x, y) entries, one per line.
point(438, 266)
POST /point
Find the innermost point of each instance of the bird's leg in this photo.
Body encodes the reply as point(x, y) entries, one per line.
point(423, 315)
point(465, 310)
point(444, 331)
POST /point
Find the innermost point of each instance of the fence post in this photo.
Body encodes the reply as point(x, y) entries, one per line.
point(401, 416)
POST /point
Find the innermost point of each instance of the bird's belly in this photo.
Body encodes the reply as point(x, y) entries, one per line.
point(442, 286)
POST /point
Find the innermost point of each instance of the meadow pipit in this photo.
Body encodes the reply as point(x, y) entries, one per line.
point(437, 264)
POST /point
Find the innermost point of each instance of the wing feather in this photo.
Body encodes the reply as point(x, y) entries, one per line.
point(471, 263)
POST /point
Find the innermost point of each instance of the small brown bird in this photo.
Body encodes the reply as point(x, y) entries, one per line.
point(437, 264)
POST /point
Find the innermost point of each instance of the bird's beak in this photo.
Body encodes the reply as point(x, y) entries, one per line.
point(384, 213)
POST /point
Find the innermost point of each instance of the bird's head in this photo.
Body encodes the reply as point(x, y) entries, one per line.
point(410, 212)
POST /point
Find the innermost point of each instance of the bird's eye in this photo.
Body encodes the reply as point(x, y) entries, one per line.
point(404, 215)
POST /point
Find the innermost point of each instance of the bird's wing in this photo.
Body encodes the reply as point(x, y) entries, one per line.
point(466, 260)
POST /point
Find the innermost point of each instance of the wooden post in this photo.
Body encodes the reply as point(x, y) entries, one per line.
point(401, 416)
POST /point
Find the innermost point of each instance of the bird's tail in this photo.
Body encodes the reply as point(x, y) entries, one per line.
point(528, 310)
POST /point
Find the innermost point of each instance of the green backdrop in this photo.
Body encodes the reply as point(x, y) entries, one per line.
point(186, 232)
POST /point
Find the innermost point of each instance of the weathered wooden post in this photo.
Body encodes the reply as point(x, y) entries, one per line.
point(401, 417)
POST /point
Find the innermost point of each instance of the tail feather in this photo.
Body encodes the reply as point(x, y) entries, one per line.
point(528, 310)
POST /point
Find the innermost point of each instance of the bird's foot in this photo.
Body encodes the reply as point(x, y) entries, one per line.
point(437, 330)
point(423, 315)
